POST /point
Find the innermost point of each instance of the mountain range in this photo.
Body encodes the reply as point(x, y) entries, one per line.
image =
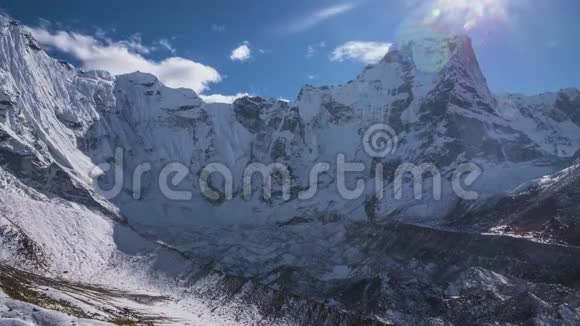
point(70, 253)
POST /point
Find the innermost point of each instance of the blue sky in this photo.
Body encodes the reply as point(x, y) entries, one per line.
point(523, 46)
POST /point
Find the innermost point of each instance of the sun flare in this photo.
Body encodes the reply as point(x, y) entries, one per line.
point(467, 14)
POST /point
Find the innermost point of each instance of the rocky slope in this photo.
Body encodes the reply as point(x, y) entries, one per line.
point(546, 209)
point(275, 261)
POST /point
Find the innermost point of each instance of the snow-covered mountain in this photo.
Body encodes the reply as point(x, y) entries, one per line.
point(546, 209)
point(299, 261)
point(445, 118)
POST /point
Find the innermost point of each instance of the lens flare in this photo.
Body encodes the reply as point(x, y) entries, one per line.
point(468, 14)
point(461, 14)
point(429, 53)
point(429, 23)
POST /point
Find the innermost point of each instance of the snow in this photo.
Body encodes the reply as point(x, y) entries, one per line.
point(72, 120)
point(339, 272)
point(17, 313)
point(531, 115)
point(159, 125)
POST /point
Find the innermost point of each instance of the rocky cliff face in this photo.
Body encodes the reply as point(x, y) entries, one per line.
point(545, 209)
point(316, 257)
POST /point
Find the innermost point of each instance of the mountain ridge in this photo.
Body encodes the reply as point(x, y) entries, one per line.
point(318, 256)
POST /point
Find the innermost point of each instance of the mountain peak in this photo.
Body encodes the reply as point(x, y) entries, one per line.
point(451, 58)
point(139, 77)
point(439, 64)
point(7, 20)
point(431, 54)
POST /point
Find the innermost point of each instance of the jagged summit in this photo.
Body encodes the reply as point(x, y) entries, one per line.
point(432, 48)
point(143, 78)
point(449, 60)
point(7, 20)
point(433, 54)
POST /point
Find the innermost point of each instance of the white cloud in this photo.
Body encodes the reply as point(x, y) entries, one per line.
point(319, 16)
point(219, 98)
point(365, 52)
point(460, 16)
point(218, 28)
point(100, 33)
point(45, 23)
point(165, 43)
point(123, 57)
point(313, 48)
point(242, 52)
point(310, 51)
point(135, 43)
